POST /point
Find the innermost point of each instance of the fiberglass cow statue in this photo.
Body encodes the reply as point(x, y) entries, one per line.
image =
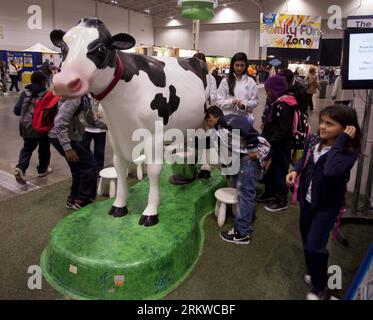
point(135, 92)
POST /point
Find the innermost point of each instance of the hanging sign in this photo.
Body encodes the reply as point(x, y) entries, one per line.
point(290, 31)
point(197, 9)
point(360, 22)
point(1, 32)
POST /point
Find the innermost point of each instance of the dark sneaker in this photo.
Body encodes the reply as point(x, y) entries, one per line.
point(20, 176)
point(232, 236)
point(78, 204)
point(44, 174)
point(264, 197)
point(70, 202)
point(276, 206)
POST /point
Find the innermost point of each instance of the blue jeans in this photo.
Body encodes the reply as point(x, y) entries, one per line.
point(245, 182)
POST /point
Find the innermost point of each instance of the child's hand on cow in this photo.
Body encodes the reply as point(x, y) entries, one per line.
point(71, 156)
point(290, 178)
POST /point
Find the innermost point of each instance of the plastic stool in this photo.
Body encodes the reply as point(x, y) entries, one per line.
point(108, 182)
point(223, 197)
point(138, 162)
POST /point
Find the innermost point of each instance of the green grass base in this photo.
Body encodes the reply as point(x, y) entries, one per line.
point(89, 249)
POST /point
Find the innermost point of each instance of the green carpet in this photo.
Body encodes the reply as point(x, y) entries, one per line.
point(271, 267)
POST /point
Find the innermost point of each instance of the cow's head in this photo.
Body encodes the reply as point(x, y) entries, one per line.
point(88, 52)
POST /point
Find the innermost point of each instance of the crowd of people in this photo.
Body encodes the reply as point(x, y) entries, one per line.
point(270, 157)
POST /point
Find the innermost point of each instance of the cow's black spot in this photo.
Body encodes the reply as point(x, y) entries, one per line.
point(166, 109)
point(198, 67)
point(154, 68)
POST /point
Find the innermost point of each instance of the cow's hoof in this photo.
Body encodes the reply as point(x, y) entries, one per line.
point(118, 212)
point(148, 221)
point(204, 174)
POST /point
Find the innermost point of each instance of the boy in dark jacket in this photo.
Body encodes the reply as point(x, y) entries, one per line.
point(278, 130)
point(251, 150)
point(25, 109)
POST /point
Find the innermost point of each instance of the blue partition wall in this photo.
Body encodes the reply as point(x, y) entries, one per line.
point(31, 59)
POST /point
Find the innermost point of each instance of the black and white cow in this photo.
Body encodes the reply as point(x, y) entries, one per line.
point(135, 91)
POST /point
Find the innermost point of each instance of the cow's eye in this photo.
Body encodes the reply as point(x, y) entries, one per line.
point(102, 49)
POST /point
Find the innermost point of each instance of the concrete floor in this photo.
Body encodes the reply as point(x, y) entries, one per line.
point(11, 144)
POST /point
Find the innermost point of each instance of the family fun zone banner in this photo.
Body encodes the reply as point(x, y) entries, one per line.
point(290, 31)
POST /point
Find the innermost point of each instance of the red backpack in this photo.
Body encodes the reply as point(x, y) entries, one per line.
point(45, 111)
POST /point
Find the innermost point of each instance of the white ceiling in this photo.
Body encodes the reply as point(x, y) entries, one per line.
point(164, 9)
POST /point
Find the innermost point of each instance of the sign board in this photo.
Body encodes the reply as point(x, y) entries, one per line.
point(360, 22)
point(290, 31)
point(1, 32)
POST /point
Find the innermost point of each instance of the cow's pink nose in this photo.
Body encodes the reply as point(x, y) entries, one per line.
point(75, 85)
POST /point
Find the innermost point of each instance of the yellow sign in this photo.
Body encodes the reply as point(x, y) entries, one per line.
point(290, 31)
point(1, 32)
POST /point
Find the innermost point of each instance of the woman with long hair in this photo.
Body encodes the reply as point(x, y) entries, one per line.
point(238, 93)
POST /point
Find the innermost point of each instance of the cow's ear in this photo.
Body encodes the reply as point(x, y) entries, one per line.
point(122, 41)
point(57, 37)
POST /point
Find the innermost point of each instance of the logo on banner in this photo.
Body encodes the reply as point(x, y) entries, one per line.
point(290, 31)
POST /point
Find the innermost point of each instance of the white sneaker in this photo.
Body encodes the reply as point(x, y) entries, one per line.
point(307, 279)
point(44, 174)
point(20, 176)
point(315, 296)
point(6, 94)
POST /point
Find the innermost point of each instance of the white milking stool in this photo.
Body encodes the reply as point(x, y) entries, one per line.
point(223, 197)
point(139, 162)
point(108, 180)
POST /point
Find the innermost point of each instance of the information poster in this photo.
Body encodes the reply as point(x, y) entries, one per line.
point(290, 31)
point(27, 60)
point(361, 49)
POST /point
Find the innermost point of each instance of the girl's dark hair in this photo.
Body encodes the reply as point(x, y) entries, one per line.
point(240, 56)
point(215, 111)
point(346, 116)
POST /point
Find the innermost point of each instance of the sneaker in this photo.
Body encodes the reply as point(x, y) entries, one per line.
point(70, 202)
point(44, 174)
point(20, 176)
point(314, 296)
point(6, 93)
point(264, 197)
point(307, 279)
point(276, 206)
point(78, 204)
point(232, 236)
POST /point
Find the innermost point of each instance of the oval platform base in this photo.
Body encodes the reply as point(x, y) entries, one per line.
point(92, 255)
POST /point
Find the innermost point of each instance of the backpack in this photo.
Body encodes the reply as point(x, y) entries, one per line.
point(27, 114)
point(45, 111)
point(301, 128)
